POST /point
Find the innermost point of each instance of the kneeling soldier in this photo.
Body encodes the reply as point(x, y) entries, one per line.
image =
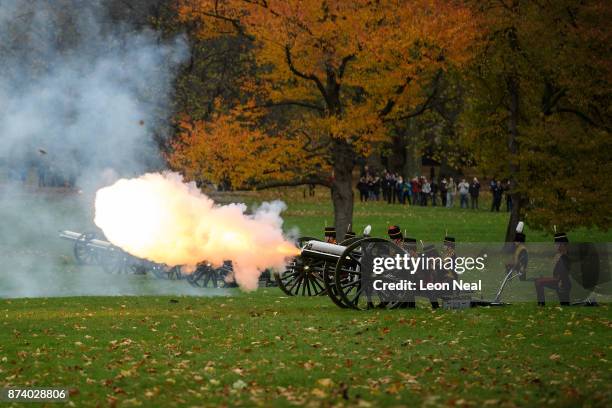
point(560, 281)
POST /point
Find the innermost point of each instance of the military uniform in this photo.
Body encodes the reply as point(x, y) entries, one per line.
point(395, 234)
point(430, 275)
point(330, 235)
point(410, 246)
point(449, 252)
point(560, 281)
point(520, 258)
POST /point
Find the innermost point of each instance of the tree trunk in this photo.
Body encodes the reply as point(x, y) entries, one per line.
point(412, 166)
point(513, 148)
point(342, 187)
point(515, 216)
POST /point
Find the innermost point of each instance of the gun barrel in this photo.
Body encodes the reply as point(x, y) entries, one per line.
point(75, 236)
point(322, 250)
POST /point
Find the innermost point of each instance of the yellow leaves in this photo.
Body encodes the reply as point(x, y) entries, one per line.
point(346, 61)
point(325, 382)
point(554, 357)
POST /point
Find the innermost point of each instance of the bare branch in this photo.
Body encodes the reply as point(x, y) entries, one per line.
point(310, 77)
point(343, 64)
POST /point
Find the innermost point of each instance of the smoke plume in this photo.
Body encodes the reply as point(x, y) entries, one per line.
point(82, 96)
point(160, 218)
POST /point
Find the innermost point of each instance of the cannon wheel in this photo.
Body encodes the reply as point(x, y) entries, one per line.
point(118, 262)
point(302, 275)
point(329, 279)
point(205, 276)
point(348, 279)
point(83, 253)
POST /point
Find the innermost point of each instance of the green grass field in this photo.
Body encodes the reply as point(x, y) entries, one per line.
point(266, 349)
point(229, 348)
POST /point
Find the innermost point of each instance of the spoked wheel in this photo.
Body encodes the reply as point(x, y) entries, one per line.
point(205, 276)
point(348, 279)
point(83, 253)
point(118, 262)
point(329, 279)
point(302, 276)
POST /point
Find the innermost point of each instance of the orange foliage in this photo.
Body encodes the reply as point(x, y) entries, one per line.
point(341, 70)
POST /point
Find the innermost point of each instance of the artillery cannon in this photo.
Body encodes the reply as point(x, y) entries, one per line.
point(90, 250)
point(338, 272)
point(329, 269)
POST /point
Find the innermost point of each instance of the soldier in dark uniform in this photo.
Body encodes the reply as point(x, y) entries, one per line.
point(560, 281)
point(395, 234)
point(449, 251)
point(330, 235)
point(410, 245)
point(430, 274)
point(520, 257)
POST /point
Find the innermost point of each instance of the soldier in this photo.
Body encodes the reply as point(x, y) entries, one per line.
point(330, 235)
point(560, 281)
point(429, 274)
point(520, 256)
point(395, 234)
point(448, 251)
point(410, 245)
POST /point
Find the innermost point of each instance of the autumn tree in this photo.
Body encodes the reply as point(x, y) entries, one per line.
point(331, 76)
point(538, 110)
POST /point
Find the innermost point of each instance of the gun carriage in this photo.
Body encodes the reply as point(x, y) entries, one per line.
point(330, 269)
point(88, 249)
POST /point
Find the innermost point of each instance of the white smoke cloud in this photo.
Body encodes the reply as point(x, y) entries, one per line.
point(81, 96)
point(161, 218)
point(90, 96)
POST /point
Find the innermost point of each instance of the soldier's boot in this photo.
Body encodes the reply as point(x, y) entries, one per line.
point(541, 304)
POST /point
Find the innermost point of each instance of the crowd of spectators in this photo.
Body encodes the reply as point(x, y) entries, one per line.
point(393, 188)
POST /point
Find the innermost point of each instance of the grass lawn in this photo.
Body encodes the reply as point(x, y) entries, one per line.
point(266, 349)
point(232, 348)
point(310, 215)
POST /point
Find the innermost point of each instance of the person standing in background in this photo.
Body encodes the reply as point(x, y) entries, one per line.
point(443, 191)
point(492, 186)
point(362, 186)
point(425, 192)
point(416, 190)
point(498, 191)
point(398, 190)
point(406, 191)
point(376, 187)
point(464, 189)
point(434, 192)
point(474, 193)
point(451, 192)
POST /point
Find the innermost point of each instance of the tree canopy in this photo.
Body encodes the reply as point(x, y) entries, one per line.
point(331, 76)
